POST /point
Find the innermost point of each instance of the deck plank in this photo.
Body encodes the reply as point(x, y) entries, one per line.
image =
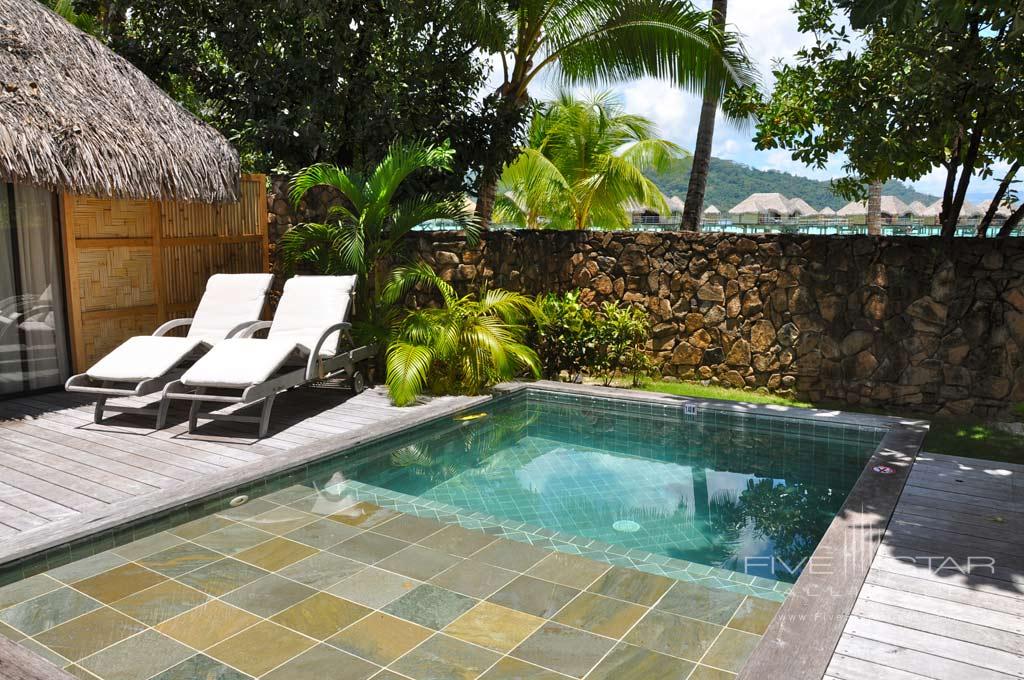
point(55, 462)
point(921, 613)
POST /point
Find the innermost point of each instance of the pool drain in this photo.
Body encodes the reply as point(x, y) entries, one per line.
point(626, 526)
point(238, 500)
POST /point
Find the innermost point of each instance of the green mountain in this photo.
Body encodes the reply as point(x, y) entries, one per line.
point(730, 182)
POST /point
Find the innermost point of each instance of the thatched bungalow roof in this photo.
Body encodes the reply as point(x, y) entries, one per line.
point(762, 204)
point(1002, 211)
point(853, 208)
point(971, 210)
point(74, 116)
point(799, 206)
point(676, 204)
point(894, 207)
point(918, 208)
point(713, 211)
point(933, 210)
point(827, 212)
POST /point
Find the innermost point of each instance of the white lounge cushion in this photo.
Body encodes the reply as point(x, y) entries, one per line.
point(229, 300)
point(143, 357)
point(309, 305)
point(240, 362)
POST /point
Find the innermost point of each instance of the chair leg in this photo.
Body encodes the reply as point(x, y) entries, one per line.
point(193, 411)
point(161, 412)
point(268, 404)
point(97, 414)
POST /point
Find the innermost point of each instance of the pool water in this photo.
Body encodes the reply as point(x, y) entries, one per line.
point(738, 492)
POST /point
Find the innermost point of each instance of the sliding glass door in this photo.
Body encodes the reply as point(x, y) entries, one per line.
point(33, 332)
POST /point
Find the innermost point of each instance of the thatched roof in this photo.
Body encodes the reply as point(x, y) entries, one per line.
point(918, 208)
point(1002, 211)
point(853, 208)
point(77, 117)
point(933, 210)
point(676, 204)
point(762, 204)
point(971, 210)
point(827, 212)
point(894, 207)
point(712, 210)
point(799, 206)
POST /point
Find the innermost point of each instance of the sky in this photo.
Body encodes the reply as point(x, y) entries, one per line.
point(769, 30)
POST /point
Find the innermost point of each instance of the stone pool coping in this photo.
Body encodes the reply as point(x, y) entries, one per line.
point(811, 621)
point(802, 637)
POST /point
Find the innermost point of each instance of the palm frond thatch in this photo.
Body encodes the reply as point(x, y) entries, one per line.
point(74, 116)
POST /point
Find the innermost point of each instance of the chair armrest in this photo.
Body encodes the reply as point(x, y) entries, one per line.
point(171, 325)
point(242, 327)
point(314, 356)
point(252, 328)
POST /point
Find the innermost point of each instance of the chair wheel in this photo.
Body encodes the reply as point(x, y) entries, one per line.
point(358, 382)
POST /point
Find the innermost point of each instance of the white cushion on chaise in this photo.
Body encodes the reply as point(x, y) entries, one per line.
point(229, 300)
point(309, 305)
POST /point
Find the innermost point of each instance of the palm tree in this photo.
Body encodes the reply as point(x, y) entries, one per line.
point(599, 41)
point(874, 219)
point(461, 347)
point(705, 136)
point(362, 232)
point(585, 161)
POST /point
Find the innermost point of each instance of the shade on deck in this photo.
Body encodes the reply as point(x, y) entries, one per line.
point(74, 116)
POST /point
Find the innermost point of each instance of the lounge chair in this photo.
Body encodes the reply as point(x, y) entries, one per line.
point(304, 344)
point(144, 364)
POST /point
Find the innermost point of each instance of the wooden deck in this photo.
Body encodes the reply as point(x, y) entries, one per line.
point(56, 463)
point(946, 621)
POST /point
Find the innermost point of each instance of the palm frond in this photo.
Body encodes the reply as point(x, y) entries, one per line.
point(403, 279)
point(401, 161)
point(326, 175)
point(613, 40)
point(407, 372)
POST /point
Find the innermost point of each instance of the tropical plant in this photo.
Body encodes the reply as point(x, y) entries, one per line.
point(363, 230)
point(564, 336)
point(589, 42)
point(461, 347)
point(604, 342)
point(693, 208)
point(81, 20)
point(584, 162)
point(621, 334)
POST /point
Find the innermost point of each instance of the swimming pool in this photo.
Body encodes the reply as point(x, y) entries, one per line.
point(743, 493)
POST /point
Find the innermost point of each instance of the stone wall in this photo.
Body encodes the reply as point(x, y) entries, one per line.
point(892, 322)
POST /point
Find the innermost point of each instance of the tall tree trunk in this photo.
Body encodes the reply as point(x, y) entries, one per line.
point(511, 115)
point(1004, 185)
point(875, 209)
point(694, 206)
point(486, 193)
point(1011, 223)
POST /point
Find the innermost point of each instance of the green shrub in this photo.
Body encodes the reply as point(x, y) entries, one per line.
point(602, 342)
point(621, 335)
point(565, 335)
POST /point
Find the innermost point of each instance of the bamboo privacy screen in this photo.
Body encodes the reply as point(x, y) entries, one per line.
point(131, 265)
